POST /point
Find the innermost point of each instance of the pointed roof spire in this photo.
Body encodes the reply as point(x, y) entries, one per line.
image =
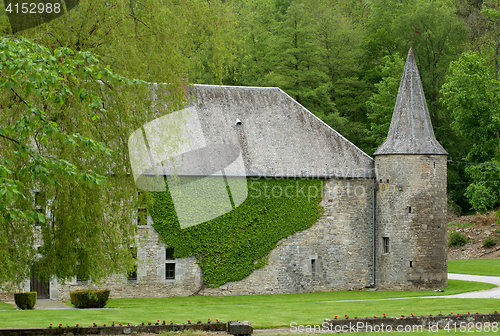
point(411, 128)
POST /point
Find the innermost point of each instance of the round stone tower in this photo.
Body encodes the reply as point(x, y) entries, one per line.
point(410, 167)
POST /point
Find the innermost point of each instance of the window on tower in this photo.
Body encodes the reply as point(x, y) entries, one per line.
point(386, 244)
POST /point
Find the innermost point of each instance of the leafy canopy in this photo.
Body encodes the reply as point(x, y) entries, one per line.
point(65, 173)
point(473, 97)
point(56, 155)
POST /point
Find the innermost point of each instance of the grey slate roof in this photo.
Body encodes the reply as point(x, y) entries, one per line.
point(264, 129)
point(411, 128)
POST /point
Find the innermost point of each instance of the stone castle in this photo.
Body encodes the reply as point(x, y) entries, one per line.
point(384, 220)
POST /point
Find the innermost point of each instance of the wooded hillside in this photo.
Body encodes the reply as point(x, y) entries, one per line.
point(341, 59)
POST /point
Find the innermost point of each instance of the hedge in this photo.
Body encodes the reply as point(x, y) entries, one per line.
point(90, 298)
point(25, 300)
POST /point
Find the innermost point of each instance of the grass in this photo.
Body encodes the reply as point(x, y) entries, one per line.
point(475, 266)
point(460, 225)
point(6, 306)
point(263, 310)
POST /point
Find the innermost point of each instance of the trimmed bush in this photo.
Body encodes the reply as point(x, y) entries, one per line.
point(25, 300)
point(489, 242)
point(90, 298)
point(457, 239)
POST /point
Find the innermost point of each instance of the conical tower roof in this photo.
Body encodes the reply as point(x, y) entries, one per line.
point(411, 129)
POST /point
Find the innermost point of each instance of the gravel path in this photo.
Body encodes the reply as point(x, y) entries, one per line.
point(485, 294)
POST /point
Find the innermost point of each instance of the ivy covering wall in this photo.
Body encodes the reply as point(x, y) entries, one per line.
point(232, 246)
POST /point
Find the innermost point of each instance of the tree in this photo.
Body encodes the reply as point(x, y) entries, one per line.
point(491, 9)
point(295, 56)
point(257, 20)
point(338, 38)
point(153, 40)
point(473, 97)
point(433, 29)
point(63, 169)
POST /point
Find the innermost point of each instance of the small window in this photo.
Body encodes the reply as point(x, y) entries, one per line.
point(80, 281)
point(39, 199)
point(411, 263)
point(313, 266)
point(131, 276)
point(170, 271)
point(169, 253)
point(386, 244)
point(409, 209)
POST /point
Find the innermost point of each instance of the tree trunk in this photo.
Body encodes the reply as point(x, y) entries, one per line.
point(496, 60)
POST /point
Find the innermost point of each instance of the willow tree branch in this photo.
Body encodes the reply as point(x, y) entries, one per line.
point(11, 139)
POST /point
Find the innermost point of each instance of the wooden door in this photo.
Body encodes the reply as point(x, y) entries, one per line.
point(40, 287)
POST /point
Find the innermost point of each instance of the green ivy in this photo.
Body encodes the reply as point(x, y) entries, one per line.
point(230, 247)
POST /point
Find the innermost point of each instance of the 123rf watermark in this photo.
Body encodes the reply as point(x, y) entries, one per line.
point(327, 327)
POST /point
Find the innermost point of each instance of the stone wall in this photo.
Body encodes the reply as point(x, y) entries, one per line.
point(151, 280)
point(334, 254)
point(6, 296)
point(411, 213)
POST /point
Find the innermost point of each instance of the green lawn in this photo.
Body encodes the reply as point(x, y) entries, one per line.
point(6, 306)
point(475, 266)
point(263, 310)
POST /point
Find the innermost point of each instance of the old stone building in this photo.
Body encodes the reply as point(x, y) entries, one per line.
point(383, 223)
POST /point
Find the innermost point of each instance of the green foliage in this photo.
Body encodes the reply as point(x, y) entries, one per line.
point(90, 298)
point(232, 246)
point(60, 137)
point(457, 239)
point(473, 97)
point(25, 300)
point(483, 193)
point(457, 224)
point(162, 41)
point(62, 134)
point(489, 242)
